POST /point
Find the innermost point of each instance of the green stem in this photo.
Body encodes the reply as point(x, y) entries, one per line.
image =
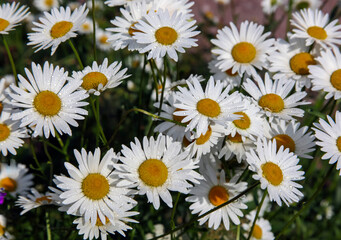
point(155, 80)
point(172, 223)
point(94, 30)
point(209, 212)
point(36, 160)
point(60, 141)
point(243, 174)
point(99, 126)
point(163, 83)
point(307, 203)
point(238, 232)
point(49, 162)
point(10, 59)
point(257, 214)
point(48, 226)
point(76, 54)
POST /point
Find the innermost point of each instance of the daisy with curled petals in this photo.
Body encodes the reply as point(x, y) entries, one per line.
point(277, 171)
point(14, 178)
point(57, 27)
point(11, 16)
point(103, 229)
point(11, 134)
point(157, 167)
point(329, 136)
point(314, 27)
point(202, 108)
point(261, 230)
point(242, 51)
point(98, 78)
point(48, 101)
point(214, 191)
point(289, 135)
point(91, 190)
point(272, 97)
point(326, 75)
point(291, 61)
point(33, 200)
point(162, 32)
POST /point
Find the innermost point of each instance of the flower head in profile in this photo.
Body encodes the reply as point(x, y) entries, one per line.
point(33, 200)
point(11, 16)
point(57, 27)
point(47, 100)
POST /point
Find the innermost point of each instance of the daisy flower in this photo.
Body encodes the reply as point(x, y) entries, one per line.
point(274, 99)
point(291, 61)
point(326, 75)
point(162, 33)
point(289, 135)
point(314, 27)
point(157, 167)
point(91, 190)
point(4, 234)
point(48, 102)
point(33, 200)
point(124, 26)
point(179, 6)
point(14, 178)
point(202, 108)
point(277, 171)
point(329, 136)
point(45, 5)
point(87, 26)
point(11, 16)
point(57, 27)
point(114, 3)
point(301, 4)
point(214, 191)
point(261, 230)
point(11, 134)
point(98, 78)
point(102, 40)
point(227, 77)
point(270, 6)
point(242, 51)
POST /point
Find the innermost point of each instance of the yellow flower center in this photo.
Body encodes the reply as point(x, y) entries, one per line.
point(93, 79)
point(3, 24)
point(236, 139)
point(257, 232)
point(273, 173)
point(2, 230)
point(86, 26)
point(204, 138)
point(186, 142)
point(4, 132)
point(335, 79)
point(338, 143)
point(99, 222)
point(153, 172)
point(243, 52)
point(299, 63)
point(8, 184)
point(95, 186)
point(271, 102)
point(208, 107)
point(132, 30)
point(61, 28)
point(43, 198)
point(229, 73)
point(166, 35)
point(285, 141)
point(1, 107)
point(317, 32)
point(218, 195)
point(47, 103)
point(242, 123)
point(103, 39)
point(48, 3)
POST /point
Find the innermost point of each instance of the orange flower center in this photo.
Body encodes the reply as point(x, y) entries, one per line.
point(244, 122)
point(95, 186)
point(61, 28)
point(317, 32)
point(166, 35)
point(335, 79)
point(3, 24)
point(243, 52)
point(153, 172)
point(208, 107)
point(299, 63)
point(218, 195)
point(285, 141)
point(271, 102)
point(47, 103)
point(4, 132)
point(257, 232)
point(93, 79)
point(8, 184)
point(204, 138)
point(273, 173)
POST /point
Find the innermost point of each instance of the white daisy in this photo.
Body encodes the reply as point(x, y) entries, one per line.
point(33, 200)
point(11, 16)
point(87, 26)
point(45, 5)
point(301, 4)
point(289, 135)
point(4, 234)
point(277, 171)
point(91, 190)
point(314, 27)
point(326, 75)
point(179, 6)
point(274, 99)
point(98, 78)
point(270, 6)
point(14, 178)
point(202, 108)
point(156, 167)
point(214, 191)
point(102, 40)
point(226, 77)
point(329, 136)
point(261, 230)
point(124, 26)
point(242, 51)
point(11, 134)
point(48, 102)
point(162, 33)
point(291, 61)
point(114, 3)
point(57, 27)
